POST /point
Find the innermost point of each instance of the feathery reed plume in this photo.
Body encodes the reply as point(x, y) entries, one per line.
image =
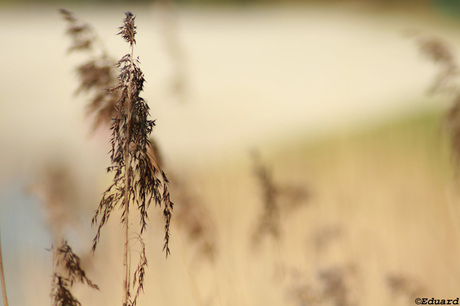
point(97, 74)
point(276, 198)
point(57, 189)
point(440, 53)
point(447, 82)
point(137, 180)
point(83, 37)
point(2, 276)
point(67, 272)
point(269, 222)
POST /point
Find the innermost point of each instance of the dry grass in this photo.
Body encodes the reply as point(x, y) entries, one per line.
point(278, 201)
point(67, 272)
point(56, 187)
point(379, 212)
point(379, 207)
point(137, 181)
point(367, 226)
point(96, 75)
point(446, 83)
point(365, 221)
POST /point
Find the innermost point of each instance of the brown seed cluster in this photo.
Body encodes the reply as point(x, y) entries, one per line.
point(137, 180)
point(446, 83)
point(67, 272)
point(276, 199)
point(97, 74)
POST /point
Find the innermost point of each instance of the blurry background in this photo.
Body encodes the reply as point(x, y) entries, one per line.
point(333, 96)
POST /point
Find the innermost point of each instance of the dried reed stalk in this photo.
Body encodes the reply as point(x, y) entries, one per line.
point(2, 275)
point(97, 74)
point(137, 180)
point(276, 199)
point(447, 82)
point(269, 222)
point(67, 272)
point(57, 190)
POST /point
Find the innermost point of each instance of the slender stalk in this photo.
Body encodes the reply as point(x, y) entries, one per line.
point(126, 213)
point(125, 261)
point(2, 275)
point(136, 179)
point(127, 183)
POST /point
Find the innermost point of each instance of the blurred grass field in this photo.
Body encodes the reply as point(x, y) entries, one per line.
point(382, 203)
point(386, 192)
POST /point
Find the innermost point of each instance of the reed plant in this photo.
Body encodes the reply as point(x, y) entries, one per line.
point(447, 83)
point(137, 182)
point(138, 178)
point(98, 72)
point(56, 189)
point(67, 271)
point(277, 201)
